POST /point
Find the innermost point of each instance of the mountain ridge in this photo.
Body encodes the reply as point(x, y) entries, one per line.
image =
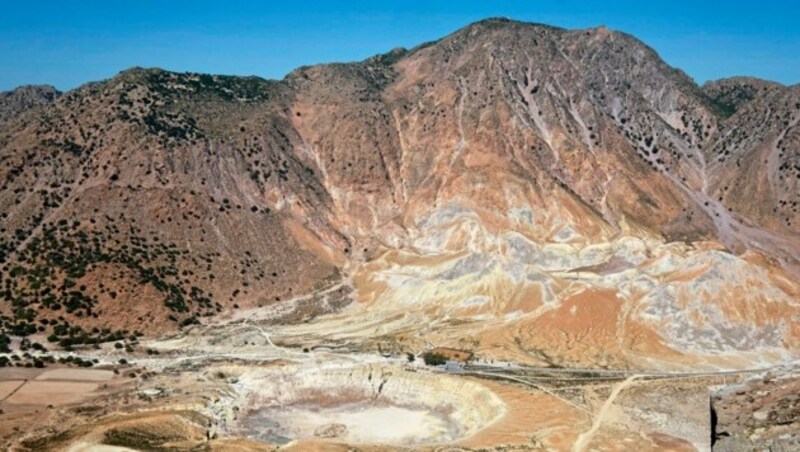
point(501, 161)
point(497, 21)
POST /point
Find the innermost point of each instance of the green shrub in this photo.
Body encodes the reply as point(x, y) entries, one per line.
point(434, 359)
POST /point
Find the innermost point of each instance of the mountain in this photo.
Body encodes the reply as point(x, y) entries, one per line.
point(15, 102)
point(526, 192)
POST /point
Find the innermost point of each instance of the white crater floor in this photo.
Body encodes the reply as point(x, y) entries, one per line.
point(363, 404)
point(353, 423)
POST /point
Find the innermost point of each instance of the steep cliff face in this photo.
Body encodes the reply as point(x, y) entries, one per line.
point(564, 192)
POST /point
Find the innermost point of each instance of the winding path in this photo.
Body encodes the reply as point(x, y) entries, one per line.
point(584, 438)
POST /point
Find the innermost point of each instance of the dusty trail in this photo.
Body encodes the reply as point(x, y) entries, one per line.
point(584, 438)
point(264, 334)
point(8, 396)
point(260, 313)
point(533, 385)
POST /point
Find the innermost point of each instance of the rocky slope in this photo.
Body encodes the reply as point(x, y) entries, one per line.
point(528, 192)
point(15, 102)
point(760, 413)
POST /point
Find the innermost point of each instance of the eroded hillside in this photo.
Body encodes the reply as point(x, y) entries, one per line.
point(559, 197)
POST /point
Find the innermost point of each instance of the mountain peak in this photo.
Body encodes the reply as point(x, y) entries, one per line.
point(505, 22)
point(501, 25)
point(32, 89)
point(730, 94)
point(24, 98)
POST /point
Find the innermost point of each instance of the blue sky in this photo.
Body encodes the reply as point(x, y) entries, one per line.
point(68, 43)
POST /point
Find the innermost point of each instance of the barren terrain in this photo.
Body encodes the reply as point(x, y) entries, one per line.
point(603, 254)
